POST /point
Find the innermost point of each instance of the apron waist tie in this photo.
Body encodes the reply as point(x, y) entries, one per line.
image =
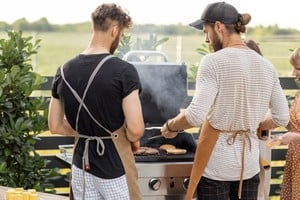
point(230, 141)
point(100, 143)
point(85, 157)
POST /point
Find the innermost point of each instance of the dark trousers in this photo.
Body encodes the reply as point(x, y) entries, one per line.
point(208, 189)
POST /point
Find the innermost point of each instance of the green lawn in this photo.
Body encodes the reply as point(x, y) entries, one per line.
point(57, 48)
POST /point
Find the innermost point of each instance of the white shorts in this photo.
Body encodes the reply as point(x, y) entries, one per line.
point(97, 188)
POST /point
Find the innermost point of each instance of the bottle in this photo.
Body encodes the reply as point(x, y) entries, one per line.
point(10, 194)
point(34, 196)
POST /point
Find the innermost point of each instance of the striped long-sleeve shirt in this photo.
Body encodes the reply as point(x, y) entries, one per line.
point(234, 90)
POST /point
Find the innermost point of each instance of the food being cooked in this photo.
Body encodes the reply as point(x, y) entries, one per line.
point(165, 147)
point(139, 151)
point(146, 151)
point(176, 151)
point(171, 149)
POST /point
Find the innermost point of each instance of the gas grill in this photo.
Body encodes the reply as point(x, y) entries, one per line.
point(164, 176)
point(164, 92)
point(183, 141)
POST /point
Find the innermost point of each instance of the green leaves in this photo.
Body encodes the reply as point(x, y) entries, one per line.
point(193, 69)
point(204, 49)
point(149, 44)
point(3, 167)
point(22, 117)
point(126, 44)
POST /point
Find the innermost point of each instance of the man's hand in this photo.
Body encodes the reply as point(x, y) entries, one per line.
point(135, 146)
point(167, 133)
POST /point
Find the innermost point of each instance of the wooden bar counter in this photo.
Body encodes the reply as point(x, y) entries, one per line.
point(42, 196)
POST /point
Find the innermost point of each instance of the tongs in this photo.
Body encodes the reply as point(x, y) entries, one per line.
point(155, 137)
point(154, 128)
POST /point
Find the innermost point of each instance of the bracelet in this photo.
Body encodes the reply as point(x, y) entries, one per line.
point(168, 128)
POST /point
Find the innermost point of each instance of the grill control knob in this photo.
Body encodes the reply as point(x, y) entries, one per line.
point(186, 182)
point(154, 184)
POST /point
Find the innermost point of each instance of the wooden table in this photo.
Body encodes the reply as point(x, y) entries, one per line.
point(43, 196)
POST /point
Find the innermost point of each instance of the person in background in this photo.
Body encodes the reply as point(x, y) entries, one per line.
point(254, 46)
point(235, 87)
point(290, 187)
point(95, 96)
point(265, 151)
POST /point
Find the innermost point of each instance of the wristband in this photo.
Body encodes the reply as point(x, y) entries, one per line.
point(168, 128)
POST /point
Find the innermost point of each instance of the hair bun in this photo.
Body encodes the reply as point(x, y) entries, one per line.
point(245, 18)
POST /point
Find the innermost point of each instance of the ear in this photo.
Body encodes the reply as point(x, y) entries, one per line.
point(115, 31)
point(219, 27)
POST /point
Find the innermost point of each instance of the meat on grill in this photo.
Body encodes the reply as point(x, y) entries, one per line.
point(146, 151)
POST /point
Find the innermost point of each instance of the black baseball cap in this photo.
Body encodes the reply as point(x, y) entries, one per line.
point(219, 11)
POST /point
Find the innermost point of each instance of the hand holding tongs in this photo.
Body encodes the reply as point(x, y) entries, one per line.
point(157, 136)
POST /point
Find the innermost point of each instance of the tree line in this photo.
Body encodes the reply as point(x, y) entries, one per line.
point(43, 25)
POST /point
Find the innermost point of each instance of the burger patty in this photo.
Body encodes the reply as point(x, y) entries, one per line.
point(146, 151)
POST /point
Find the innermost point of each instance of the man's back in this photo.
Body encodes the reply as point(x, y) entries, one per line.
point(236, 86)
point(103, 100)
point(244, 85)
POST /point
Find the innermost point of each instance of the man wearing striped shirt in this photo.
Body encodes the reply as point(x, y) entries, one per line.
point(235, 88)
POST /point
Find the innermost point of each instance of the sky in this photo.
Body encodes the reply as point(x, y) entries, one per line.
point(264, 12)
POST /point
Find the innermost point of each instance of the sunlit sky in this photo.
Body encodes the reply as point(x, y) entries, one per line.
point(264, 12)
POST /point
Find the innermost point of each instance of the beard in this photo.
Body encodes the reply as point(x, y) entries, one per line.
point(216, 42)
point(114, 44)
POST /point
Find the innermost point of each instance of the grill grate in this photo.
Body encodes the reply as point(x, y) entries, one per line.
point(164, 157)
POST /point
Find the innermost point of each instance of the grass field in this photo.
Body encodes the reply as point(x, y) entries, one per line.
point(56, 48)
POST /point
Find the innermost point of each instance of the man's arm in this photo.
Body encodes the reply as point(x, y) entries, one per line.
point(56, 119)
point(267, 123)
point(172, 126)
point(279, 110)
point(134, 121)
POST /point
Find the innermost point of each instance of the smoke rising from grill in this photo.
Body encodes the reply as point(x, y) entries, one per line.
point(164, 90)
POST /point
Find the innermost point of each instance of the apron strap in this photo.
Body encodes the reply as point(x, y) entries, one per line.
point(207, 140)
point(81, 100)
point(99, 142)
point(85, 158)
point(123, 147)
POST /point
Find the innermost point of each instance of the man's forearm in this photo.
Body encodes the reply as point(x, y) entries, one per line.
point(267, 124)
point(179, 122)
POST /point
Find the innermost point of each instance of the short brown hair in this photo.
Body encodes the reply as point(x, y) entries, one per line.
point(105, 14)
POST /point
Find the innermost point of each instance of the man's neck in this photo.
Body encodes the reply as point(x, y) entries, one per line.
point(98, 44)
point(234, 41)
point(95, 49)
